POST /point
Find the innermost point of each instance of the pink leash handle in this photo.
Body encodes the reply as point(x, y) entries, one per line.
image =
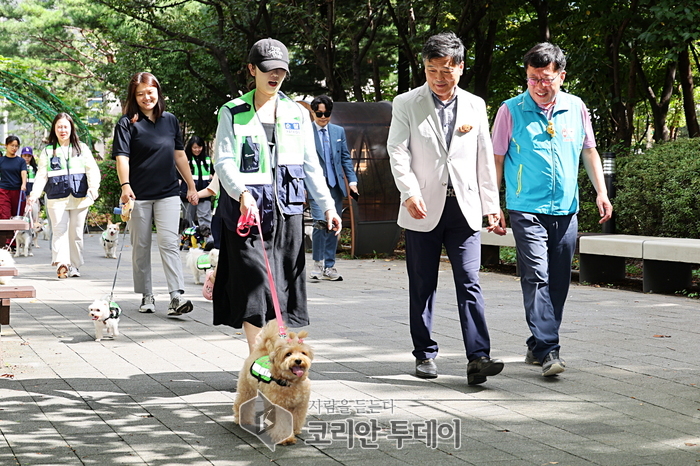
point(245, 223)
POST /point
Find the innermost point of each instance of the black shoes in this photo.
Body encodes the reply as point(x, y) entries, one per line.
point(552, 364)
point(426, 369)
point(480, 368)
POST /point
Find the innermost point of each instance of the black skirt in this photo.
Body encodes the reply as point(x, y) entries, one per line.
point(242, 290)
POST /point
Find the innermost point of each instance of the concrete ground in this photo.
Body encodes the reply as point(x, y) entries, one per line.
point(161, 393)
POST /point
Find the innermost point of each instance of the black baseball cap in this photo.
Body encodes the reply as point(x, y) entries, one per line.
point(269, 54)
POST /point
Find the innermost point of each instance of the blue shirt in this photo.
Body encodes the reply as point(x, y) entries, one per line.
point(11, 172)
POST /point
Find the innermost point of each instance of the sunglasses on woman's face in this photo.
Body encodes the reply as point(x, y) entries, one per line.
point(322, 114)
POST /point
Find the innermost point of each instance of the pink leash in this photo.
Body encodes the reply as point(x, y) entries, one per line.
point(244, 225)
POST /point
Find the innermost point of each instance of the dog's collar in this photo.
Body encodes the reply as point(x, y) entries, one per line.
point(260, 369)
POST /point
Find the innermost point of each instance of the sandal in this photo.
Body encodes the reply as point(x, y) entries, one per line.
point(208, 288)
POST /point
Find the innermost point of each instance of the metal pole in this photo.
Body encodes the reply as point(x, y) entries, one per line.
point(609, 174)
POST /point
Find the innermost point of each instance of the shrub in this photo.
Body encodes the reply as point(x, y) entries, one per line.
point(110, 191)
point(658, 192)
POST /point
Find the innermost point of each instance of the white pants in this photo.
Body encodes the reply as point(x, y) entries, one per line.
point(67, 234)
point(166, 215)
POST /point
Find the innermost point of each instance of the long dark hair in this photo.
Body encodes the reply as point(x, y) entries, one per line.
point(132, 107)
point(74, 139)
point(202, 155)
point(200, 142)
point(32, 161)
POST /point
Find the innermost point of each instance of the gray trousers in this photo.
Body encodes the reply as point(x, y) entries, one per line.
point(166, 215)
point(200, 213)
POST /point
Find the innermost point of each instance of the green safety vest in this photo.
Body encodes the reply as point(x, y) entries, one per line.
point(203, 262)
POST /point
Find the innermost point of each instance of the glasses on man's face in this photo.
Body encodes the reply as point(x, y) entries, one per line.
point(544, 81)
point(322, 114)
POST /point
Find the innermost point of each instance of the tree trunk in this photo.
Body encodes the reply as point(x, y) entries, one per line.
point(404, 72)
point(659, 109)
point(377, 79)
point(542, 9)
point(686, 78)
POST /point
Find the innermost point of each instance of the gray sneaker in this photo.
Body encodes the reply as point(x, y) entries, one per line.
point(331, 274)
point(531, 359)
point(148, 304)
point(317, 270)
point(552, 364)
point(179, 306)
point(73, 271)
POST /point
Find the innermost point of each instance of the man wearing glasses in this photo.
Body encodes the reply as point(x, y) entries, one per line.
point(442, 161)
point(332, 150)
point(538, 138)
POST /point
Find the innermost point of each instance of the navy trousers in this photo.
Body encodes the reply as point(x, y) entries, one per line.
point(324, 243)
point(463, 246)
point(545, 246)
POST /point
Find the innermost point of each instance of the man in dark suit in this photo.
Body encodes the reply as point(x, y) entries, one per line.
point(332, 150)
point(442, 161)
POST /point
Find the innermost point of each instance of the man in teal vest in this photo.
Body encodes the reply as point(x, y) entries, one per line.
point(538, 138)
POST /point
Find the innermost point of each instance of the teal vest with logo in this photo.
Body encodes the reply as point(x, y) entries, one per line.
point(542, 162)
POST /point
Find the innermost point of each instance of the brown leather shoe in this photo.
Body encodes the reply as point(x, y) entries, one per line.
point(62, 271)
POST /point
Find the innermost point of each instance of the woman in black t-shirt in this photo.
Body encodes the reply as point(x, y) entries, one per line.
point(13, 180)
point(149, 152)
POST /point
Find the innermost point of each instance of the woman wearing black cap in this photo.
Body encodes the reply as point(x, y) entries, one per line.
point(265, 157)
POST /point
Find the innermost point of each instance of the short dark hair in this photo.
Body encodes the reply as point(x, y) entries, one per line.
point(544, 53)
point(132, 107)
point(322, 99)
point(445, 44)
point(11, 138)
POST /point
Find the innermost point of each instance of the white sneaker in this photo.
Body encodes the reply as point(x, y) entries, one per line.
point(73, 271)
point(331, 274)
point(148, 304)
point(317, 271)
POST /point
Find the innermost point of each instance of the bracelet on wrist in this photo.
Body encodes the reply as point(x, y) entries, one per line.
point(126, 182)
point(240, 198)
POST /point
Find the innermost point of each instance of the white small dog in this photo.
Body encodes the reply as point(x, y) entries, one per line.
point(199, 261)
point(24, 238)
point(105, 315)
point(38, 229)
point(110, 239)
point(37, 225)
point(6, 260)
point(46, 230)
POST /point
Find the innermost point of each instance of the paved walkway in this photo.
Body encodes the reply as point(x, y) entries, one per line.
point(161, 393)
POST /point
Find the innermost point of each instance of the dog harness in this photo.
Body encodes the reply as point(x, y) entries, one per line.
point(114, 311)
point(261, 371)
point(104, 238)
point(203, 262)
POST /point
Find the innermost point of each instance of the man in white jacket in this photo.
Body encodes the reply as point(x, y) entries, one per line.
point(442, 162)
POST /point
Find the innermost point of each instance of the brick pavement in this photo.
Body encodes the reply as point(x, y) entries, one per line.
point(161, 393)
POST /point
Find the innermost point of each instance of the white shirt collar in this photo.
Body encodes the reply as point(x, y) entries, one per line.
point(318, 128)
